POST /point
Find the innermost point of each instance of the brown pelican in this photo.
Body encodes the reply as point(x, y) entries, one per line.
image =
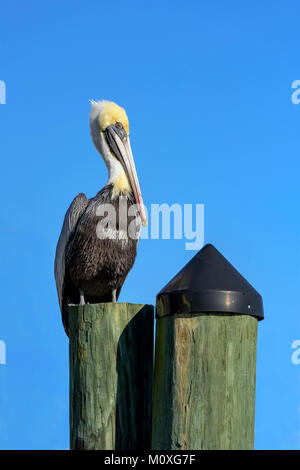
point(98, 241)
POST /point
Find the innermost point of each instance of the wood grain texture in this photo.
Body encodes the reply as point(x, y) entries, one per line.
point(204, 382)
point(111, 368)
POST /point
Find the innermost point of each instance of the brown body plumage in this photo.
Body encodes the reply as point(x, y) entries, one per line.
point(97, 266)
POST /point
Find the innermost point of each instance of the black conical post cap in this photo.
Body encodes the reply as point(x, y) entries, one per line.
point(209, 283)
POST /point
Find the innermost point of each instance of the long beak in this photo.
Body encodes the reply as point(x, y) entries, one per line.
point(120, 145)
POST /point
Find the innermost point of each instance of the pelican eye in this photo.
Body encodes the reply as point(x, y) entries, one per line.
point(119, 125)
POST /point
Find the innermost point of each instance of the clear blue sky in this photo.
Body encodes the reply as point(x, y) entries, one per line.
point(207, 87)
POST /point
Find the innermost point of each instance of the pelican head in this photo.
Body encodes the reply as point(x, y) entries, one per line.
point(110, 133)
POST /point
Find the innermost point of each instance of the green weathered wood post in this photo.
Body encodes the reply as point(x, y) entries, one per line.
point(111, 368)
point(205, 358)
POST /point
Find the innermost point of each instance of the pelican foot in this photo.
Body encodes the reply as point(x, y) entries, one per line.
point(81, 296)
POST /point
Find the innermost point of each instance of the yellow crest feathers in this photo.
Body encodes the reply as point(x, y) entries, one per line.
point(110, 114)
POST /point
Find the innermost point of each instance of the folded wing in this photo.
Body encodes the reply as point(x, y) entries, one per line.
point(71, 219)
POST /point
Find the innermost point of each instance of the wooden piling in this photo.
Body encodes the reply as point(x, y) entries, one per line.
point(111, 367)
point(205, 357)
point(204, 382)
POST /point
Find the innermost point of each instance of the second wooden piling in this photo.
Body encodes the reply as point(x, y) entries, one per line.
point(204, 383)
point(205, 357)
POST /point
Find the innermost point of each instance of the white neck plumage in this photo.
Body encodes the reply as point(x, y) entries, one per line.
point(116, 173)
point(117, 177)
